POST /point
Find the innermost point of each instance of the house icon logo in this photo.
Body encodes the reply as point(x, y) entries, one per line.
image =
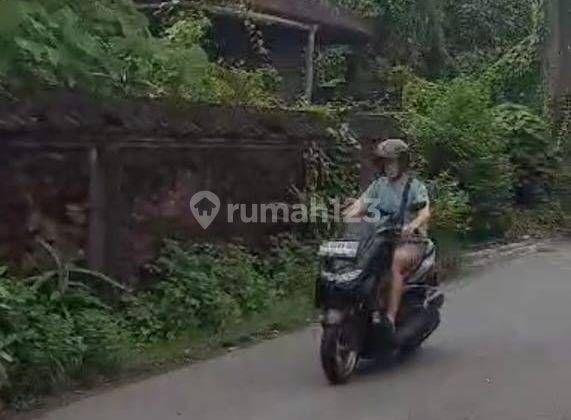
point(205, 206)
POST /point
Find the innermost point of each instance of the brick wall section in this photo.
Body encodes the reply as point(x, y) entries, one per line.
point(107, 182)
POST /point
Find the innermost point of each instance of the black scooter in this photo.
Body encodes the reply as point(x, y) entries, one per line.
point(347, 293)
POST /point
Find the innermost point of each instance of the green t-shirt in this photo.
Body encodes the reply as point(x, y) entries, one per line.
point(385, 197)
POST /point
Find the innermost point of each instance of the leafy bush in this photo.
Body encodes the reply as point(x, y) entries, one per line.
point(242, 276)
point(486, 25)
point(456, 133)
point(93, 45)
point(331, 174)
point(106, 337)
point(202, 287)
point(451, 207)
point(189, 31)
point(187, 296)
point(238, 86)
point(55, 328)
point(533, 151)
point(106, 48)
point(293, 266)
point(331, 67)
point(51, 340)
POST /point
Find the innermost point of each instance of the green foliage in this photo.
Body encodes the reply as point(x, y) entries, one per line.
point(106, 48)
point(189, 31)
point(456, 133)
point(532, 150)
point(294, 267)
point(52, 337)
point(49, 345)
point(486, 26)
point(210, 288)
point(563, 138)
point(437, 37)
point(188, 296)
point(412, 30)
point(500, 155)
point(73, 44)
point(331, 67)
point(331, 175)
point(516, 75)
point(450, 207)
point(239, 86)
point(365, 8)
point(242, 276)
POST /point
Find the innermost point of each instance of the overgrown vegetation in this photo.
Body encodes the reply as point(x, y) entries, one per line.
point(331, 67)
point(55, 327)
point(58, 330)
point(106, 48)
point(502, 156)
point(485, 126)
point(473, 106)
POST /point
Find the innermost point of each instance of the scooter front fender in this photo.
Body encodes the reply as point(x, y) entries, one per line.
point(332, 317)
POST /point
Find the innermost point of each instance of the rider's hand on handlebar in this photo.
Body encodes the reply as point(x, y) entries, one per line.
point(409, 229)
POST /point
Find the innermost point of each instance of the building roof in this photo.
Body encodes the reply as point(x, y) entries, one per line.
point(319, 12)
point(334, 23)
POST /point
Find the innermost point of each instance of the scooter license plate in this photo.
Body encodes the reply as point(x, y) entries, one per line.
point(347, 249)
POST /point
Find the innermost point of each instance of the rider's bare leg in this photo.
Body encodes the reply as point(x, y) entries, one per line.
point(396, 290)
point(405, 258)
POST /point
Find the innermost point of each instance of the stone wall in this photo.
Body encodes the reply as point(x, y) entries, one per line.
point(106, 183)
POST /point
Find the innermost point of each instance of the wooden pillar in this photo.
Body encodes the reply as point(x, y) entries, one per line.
point(104, 210)
point(309, 63)
point(114, 241)
point(96, 250)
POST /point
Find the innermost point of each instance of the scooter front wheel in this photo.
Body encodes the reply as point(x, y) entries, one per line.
point(338, 358)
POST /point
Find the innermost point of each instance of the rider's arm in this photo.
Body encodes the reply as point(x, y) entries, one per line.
point(422, 218)
point(421, 202)
point(357, 210)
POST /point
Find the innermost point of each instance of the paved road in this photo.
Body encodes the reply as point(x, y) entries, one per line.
point(503, 352)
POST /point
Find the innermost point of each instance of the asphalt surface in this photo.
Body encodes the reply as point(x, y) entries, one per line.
point(503, 352)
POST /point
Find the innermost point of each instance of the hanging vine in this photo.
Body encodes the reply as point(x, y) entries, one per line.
point(332, 173)
point(255, 33)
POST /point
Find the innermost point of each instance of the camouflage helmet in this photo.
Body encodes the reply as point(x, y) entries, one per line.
point(392, 149)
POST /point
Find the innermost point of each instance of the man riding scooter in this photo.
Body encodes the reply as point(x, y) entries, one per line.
point(401, 204)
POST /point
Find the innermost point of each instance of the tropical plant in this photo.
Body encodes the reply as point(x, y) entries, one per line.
point(91, 45)
point(294, 266)
point(451, 210)
point(210, 288)
point(455, 129)
point(51, 335)
point(66, 284)
point(106, 48)
point(332, 175)
point(532, 150)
